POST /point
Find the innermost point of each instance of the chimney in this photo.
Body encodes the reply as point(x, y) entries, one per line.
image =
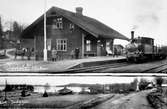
point(79, 10)
point(132, 35)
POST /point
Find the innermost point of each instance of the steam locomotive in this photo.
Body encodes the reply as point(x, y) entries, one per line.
point(142, 48)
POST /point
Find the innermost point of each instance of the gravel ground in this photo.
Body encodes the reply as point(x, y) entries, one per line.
point(131, 101)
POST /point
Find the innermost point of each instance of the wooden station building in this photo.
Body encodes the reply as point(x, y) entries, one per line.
point(67, 31)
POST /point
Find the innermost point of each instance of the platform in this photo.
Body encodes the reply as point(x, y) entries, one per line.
point(32, 66)
point(53, 67)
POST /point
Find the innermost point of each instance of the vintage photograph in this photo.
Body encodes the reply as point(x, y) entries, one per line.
point(83, 92)
point(83, 54)
point(76, 36)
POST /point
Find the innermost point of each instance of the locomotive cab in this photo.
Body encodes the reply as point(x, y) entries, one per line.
point(139, 48)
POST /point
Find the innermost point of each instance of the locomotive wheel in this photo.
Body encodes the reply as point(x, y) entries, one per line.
point(128, 59)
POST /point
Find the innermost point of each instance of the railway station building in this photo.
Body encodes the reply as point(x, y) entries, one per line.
point(67, 31)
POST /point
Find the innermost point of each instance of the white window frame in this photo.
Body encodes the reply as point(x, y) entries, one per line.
point(88, 45)
point(58, 23)
point(72, 26)
point(61, 44)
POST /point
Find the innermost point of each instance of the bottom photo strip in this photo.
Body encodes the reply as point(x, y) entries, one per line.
point(84, 92)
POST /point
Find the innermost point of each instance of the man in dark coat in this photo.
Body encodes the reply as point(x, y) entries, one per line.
point(77, 53)
point(115, 52)
point(28, 53)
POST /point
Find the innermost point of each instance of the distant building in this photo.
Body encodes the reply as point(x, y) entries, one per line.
point(67, 31)
point(14, 87)
point(96, 89)
point(65, 91)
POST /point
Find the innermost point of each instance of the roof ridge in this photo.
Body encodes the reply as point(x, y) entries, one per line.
point(89, 24)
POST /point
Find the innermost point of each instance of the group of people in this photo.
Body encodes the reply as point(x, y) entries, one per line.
point(74, 54)
point(24, 52)
point(54, 54)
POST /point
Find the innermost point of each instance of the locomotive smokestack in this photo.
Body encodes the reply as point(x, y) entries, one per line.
point(132, 35)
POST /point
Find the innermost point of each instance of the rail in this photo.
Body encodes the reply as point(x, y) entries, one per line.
point(97, 68)
point(158, 69)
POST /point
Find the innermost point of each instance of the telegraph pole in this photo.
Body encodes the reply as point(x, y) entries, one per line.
point(138, 80)
point(45, 38)
point(5, 90)
point(1, 33)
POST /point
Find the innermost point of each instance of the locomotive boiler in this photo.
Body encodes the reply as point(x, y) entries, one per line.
point(142, 48)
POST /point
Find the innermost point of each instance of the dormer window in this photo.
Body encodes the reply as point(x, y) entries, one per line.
point(58, 23)
point(71, 27)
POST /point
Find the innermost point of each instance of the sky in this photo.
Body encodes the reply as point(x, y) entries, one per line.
point(146, 17)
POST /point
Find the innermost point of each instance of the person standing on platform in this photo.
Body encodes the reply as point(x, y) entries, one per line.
point(77, 53)
point(54, 54)
point(72, 54)
point(36, 55)
point(115, 52)
point(28, 53)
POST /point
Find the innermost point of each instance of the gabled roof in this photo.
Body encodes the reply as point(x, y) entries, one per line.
point(93, 26)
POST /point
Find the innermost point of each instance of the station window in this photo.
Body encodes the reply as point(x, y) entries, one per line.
point(61, 44)
point(88, 45)
point(58, 23)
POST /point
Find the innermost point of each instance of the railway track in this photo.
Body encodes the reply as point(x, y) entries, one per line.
point(158, 69)
point(88, 104)
point(98, 67)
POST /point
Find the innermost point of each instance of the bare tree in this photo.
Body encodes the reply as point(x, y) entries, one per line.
point(143, 84)
point(134, 84)
point(17, 30)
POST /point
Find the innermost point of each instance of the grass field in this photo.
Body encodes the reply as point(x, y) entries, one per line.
point(57, 101)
